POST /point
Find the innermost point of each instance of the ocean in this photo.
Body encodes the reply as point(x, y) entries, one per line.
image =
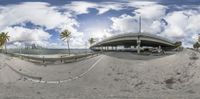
point(47, 51)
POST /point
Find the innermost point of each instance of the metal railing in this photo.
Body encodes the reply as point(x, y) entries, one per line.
point(62, 59)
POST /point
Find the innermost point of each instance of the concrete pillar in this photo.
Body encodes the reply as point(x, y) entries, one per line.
point(43, 60)
point(61, 59)
point(138, 45)
point(159, 49)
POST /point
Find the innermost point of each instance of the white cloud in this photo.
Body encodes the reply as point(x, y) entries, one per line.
point(39, 37)
point(194, 23)
point(38, 13)
point(148, 9)
point(125, 23)
point(154, 11)
point(150, 12)
point(80, 7)
point(99, 33)
point(156, 26)
point(177, 23)
point(24, 34)
point(43, 15)
point(104, 7)
point(181, 25)
point(140, 3)
point(77, 40)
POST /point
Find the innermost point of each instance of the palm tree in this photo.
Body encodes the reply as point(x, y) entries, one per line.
point(1, 41)
point(178, 43)
point(91, 41)
point(4, 38)
point(196, 45)
point(65, 35)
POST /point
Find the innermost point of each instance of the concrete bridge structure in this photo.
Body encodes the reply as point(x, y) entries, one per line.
point(137, 40)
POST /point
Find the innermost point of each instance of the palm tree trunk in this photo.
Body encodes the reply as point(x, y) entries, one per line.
point(1, 48)
point(68, 47)
point(5, 48)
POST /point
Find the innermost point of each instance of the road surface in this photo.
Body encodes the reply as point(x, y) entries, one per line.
point(108, 76)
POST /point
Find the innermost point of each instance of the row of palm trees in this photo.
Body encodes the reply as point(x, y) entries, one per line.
point(65, 35)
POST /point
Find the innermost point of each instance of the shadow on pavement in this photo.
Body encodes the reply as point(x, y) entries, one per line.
point(135, 56)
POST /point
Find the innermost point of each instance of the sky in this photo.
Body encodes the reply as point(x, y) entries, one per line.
point(41, 21)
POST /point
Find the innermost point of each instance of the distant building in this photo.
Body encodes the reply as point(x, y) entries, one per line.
point(33, 46)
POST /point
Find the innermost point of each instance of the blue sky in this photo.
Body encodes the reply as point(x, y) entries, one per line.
point(40, 22)
point(61, 2)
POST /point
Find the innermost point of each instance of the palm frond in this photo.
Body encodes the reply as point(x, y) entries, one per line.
point(91, 41)
point(4, 37)
point(65, 34)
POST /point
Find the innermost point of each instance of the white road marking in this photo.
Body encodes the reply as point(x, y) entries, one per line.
point(91, 67)
point(61, 81)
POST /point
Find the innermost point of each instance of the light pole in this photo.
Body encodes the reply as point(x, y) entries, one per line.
point(86, 47)
point(138, 38)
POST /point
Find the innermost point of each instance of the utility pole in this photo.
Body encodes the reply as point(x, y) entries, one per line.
point(140, 24)
point(138, 39)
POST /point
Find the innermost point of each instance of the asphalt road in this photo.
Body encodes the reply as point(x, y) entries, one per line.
point(52, 73)
point(107, 76)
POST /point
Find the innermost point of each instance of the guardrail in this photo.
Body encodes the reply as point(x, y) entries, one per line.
point(61, 59)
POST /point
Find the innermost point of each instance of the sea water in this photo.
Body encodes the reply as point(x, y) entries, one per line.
point(48, 51)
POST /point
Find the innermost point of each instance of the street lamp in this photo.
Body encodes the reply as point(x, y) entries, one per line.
point(138, 38)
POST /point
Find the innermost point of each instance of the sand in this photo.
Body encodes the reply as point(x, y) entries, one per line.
point(112, 75)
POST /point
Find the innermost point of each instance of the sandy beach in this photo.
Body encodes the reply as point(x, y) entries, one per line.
point(111, 75)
